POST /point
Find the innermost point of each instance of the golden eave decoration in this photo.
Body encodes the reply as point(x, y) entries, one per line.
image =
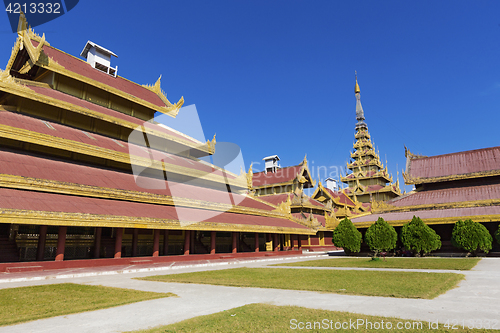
point(409, 180)
point(39, 58)
point(172, 109)
point(32, 217)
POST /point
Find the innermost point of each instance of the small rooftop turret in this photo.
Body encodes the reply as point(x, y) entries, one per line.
point(271, 163)
point(99, 58)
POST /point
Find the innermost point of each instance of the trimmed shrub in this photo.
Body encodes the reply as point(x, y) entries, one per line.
point(471, 236)
point(381, 236)
point(419, 238)
point(346, 235)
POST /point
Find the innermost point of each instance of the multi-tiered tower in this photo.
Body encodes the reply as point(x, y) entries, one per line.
point(368, 179)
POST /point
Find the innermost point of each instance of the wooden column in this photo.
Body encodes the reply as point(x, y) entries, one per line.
point(135, 241)
point(118, 242)
point(61, 242)
point(192, 245)
point(187, 241)
point(235, 242)
point(156, 243)
point(292, 242)
point(256, 242)
point(276, 243)
point(165, 242)
point(42, 236)
point(212, 242)
point(97, 242)
point(300, 242)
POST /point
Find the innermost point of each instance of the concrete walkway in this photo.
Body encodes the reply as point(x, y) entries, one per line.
point(477, 298)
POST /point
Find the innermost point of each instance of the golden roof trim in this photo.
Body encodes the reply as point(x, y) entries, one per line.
point(409, 180)
point(20, 216)
point(10, 85)
point(437, 220)
point(383, 207)
point(38, 57)
point(52, 186)
point(108, 154)
point(156, 88)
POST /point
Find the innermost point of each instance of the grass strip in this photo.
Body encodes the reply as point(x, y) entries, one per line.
point(30, 303)
point(401, 263)
point(271, 318)
point(351, 282)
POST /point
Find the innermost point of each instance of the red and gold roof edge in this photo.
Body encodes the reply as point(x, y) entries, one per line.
point(38, 58)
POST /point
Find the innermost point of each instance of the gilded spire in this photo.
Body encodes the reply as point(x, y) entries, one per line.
point(356, 87)
point(360, 115)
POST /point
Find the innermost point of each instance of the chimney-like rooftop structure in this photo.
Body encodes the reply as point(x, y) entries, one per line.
point(331, 184)
point(271, 163)
point(99, 58)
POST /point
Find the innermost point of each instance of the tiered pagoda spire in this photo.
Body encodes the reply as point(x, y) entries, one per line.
point(368, 179)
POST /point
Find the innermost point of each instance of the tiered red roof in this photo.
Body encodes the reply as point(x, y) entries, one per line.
point(466, 162)
point(69, 133)
point(94, 107)
point(449, 195)
point(282, 175)
point(433, 214)
point(48, 202)
point(83, 68)
point(71, 173)
point(344, 199)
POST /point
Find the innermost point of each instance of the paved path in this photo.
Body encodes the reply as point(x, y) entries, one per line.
point(477, 297)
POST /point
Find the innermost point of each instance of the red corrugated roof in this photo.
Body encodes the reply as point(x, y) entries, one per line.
point(43, 168)
point(465, 162)
point(431, 214)
point(315, 202)
point(371, 188)
point(275, 199)
point(83, 68)
point(47, 202)
point(344, 199)
point(468, 193)
point(69, 133)
point(281, 175)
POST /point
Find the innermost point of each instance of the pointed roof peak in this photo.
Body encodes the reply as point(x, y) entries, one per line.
point(356, 87)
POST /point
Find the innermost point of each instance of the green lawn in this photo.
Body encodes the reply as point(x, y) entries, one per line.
point(402, 263)
point(352, 282)
point(271, 318)
point(29, 303)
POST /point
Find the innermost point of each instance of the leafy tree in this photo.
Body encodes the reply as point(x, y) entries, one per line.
point(347, 236)
point(471, 236)
point(381, 236)
point(419, 238)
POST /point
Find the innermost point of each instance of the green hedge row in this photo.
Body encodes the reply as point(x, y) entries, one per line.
point(416, 236)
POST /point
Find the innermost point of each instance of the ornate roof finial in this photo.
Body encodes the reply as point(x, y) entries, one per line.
point(356, 87)
point(360, 115)
point(22, 24)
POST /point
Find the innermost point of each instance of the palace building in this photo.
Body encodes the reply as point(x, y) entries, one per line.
point(86, 172)
point(448, 188)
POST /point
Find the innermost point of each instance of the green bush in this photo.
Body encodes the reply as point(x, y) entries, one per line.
point(419, 238)
point(471, 236)
point(381, 236)
point(347, 236)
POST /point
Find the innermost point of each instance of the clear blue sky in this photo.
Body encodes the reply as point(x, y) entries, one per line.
point(277, 77)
